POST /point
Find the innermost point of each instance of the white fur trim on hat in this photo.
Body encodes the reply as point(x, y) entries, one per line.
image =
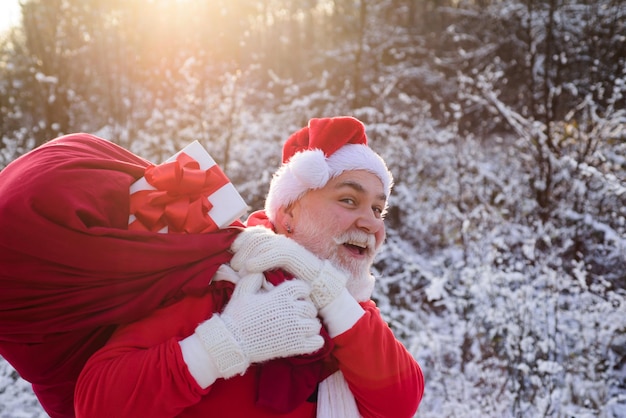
point(310, 170)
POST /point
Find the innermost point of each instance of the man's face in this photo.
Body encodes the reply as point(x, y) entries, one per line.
point(343, 221)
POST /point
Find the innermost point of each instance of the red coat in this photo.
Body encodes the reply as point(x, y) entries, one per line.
point(71, 271)
point(141, 372)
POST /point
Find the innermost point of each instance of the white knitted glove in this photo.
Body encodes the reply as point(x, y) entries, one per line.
point(259, 325)
point(259, 249)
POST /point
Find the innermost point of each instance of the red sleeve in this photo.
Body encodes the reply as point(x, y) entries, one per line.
point(141, 371)
point(383, 376)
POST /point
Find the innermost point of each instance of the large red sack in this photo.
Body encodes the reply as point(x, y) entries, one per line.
point(70, 270)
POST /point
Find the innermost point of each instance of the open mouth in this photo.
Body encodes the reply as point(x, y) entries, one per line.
point(356, 248)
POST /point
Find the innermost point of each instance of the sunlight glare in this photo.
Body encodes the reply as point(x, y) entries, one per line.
point(9, 14)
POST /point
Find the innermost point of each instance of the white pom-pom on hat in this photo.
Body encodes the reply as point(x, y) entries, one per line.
point(319, 152)
point(310, 168)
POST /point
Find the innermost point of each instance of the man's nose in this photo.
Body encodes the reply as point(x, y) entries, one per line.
point(368, 221)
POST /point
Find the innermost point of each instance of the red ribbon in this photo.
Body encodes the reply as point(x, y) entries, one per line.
point(180, 200)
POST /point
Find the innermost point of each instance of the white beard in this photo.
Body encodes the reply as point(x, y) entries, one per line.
point(360, 282)
point(361, 289)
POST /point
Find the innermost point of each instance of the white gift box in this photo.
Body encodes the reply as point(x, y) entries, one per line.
point(228, 205)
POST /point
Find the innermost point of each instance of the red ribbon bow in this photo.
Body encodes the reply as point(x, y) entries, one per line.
point(180, 200)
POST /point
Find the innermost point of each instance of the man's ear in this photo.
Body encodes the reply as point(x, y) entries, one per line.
point(284, 218)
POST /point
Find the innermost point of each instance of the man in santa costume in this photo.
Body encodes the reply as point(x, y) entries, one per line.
point(288, 328)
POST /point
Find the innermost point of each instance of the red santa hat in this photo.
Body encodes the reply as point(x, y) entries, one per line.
point(319, 152)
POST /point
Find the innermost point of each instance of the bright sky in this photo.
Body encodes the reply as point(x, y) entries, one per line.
point(9, 14)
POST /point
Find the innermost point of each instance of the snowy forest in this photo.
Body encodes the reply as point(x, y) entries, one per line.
point(502, 121)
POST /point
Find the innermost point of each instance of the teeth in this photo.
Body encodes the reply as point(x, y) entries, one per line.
point(357, 244)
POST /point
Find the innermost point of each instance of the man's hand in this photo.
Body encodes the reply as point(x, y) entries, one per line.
point(259, 249)
point(259, 325)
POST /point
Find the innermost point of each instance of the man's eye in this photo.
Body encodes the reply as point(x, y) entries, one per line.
point(348, 200)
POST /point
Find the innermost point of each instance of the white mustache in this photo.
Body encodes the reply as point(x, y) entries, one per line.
point(359, 238)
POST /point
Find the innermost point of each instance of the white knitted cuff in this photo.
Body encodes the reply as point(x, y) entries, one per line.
point(221, 345)
point(328, 285)
point(199, 364)
point(341, 314)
